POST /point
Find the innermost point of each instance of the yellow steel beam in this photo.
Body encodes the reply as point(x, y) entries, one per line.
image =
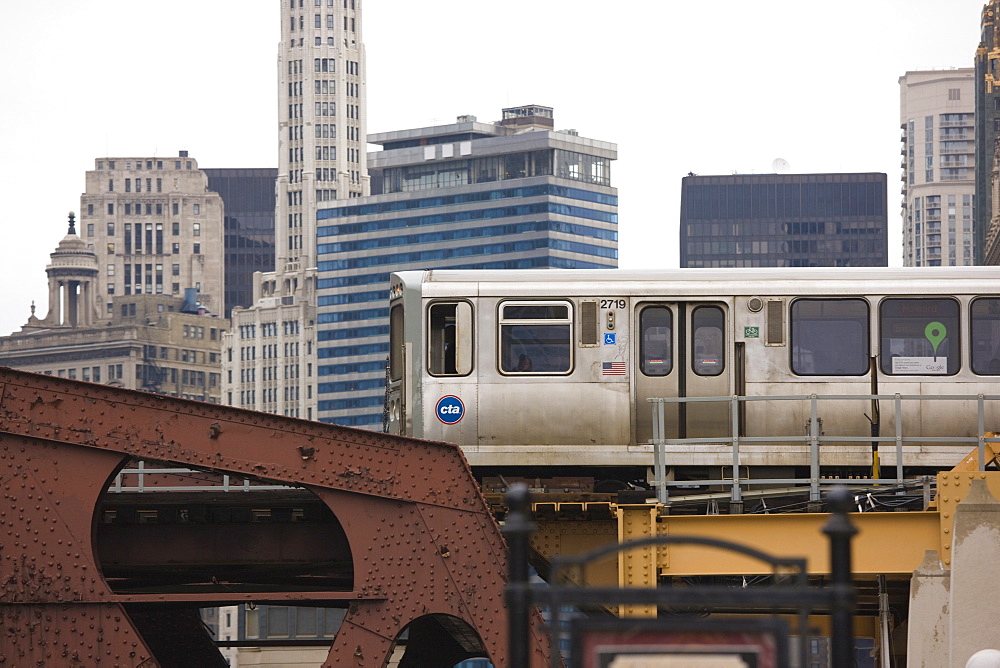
point(951, 488)
point(886, 542)
point(637, 568)
point(576, 537)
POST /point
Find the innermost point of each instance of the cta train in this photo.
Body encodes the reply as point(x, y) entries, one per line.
point(554, 369)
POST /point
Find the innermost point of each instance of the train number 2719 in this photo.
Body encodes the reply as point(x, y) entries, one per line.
point(612, 303)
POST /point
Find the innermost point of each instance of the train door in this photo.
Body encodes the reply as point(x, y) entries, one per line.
point(683, 352)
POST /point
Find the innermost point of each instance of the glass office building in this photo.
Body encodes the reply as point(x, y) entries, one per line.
point(248, 196)
point(784, 220)
point(508, 195)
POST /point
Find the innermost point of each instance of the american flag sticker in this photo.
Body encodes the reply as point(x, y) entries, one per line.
point(612, 368)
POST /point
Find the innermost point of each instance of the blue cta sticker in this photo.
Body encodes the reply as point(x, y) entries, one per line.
point(449, 409)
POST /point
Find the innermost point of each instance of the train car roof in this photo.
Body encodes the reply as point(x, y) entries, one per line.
point(736, 281)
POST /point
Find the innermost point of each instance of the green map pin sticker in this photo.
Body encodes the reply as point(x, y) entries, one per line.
point(935, 332)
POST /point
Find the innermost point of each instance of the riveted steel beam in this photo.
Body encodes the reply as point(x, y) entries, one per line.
point(418, 532)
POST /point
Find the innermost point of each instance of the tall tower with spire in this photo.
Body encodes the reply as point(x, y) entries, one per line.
point(269, 357)
point(321, 120)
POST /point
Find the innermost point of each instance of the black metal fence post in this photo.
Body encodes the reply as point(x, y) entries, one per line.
point(840, 531)
point(517, 529)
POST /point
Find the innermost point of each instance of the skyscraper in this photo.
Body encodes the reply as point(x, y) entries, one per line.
point(937, 116)
point(155, 228)
point(249, 223)
point(269, 356)
point(784, 220)
point(987, 126)
point(505, 195)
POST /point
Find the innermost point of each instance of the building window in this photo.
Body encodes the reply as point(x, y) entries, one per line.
point(111, 270)
point(176, 209)
point(197, 209)
point(90, 229)
point(90, 209)
point(197, 229)
point(175, 228)
point(954, 93)
point(197, 249)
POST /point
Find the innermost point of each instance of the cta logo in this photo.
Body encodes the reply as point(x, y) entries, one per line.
point(449, 409)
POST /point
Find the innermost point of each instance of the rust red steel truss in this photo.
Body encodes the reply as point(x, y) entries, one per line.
point(421, 538)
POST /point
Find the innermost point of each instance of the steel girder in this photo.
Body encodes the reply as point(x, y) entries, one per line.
point(420, 534)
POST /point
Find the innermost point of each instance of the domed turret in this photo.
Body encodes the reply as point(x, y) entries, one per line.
point(72, 282)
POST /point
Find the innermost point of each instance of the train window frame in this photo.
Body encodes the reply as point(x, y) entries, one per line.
point(796, 351)
point(526, 364)
point(886, 357)
point(979, 364)
point(709, 366)
point(449, 339)
point(397, 340)
point(643, 358)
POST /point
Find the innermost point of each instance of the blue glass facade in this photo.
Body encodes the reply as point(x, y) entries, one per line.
point(536, 222)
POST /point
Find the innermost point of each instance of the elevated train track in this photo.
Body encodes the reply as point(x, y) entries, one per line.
point(393, 529)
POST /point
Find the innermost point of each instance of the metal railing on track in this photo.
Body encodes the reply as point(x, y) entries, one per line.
point(814, 439)
point(143, 478)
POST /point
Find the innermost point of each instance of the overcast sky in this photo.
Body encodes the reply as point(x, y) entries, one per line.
point(705, 87)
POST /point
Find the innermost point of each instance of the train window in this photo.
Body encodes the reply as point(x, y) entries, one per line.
point(985, 314)
point(657, 324)
point(535, 337)
point(708, 345)
point(919, 337)
point(396, 342)
point(830, 337)
point(449, 339)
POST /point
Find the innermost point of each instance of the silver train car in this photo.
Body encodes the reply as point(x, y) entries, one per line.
point(555, 368)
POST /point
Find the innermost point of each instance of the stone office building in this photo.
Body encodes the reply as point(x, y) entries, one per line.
point(155, 228)
point(158, 343)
